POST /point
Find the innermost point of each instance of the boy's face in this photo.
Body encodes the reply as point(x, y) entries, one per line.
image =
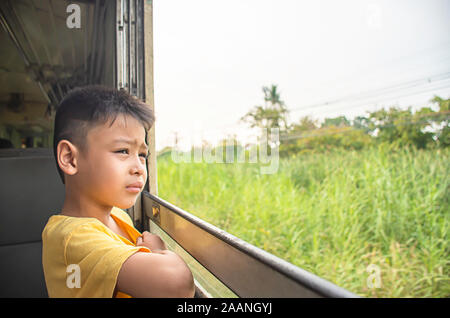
point(114, 159)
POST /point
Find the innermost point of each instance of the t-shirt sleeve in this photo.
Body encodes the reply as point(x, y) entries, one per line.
point(99, 257)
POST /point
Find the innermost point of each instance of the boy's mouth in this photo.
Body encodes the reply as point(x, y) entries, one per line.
point(135, 187)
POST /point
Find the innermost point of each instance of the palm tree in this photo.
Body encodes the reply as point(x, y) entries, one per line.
point(272, 115)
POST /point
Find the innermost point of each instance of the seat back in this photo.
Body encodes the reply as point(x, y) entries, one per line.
point(30, 192)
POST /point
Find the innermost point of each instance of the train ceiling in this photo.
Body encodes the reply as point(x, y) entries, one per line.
point(41, 58)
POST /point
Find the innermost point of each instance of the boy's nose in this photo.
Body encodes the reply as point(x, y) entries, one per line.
point(138, 168)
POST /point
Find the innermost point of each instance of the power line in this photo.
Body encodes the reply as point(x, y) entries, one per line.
point(414, 83)
point(395, 63)
point(349, 85)
point(354, 106)
point(411, 93)
point(367, 94)
point(428, 80)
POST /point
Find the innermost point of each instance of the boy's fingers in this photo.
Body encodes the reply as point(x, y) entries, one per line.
point(139, 240)
point(145, 235)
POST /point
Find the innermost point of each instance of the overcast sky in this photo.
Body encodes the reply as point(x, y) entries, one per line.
point(212, 59)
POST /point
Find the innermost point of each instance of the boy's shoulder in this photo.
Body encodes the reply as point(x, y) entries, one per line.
point(60, 227)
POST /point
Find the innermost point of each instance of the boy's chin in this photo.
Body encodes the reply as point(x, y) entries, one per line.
point(125, 205)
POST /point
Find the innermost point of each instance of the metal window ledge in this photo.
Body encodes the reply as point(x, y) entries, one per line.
point(246, 270)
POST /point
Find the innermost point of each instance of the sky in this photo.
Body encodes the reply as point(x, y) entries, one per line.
point(212, 58)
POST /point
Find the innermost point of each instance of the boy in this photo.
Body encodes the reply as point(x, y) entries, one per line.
point(91, 248)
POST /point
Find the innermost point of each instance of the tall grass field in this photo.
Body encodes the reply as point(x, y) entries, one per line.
point(375, 222)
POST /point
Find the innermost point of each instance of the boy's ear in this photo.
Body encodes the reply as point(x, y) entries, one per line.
point(67, 156)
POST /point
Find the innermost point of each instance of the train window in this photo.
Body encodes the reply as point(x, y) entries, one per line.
point(317, 131)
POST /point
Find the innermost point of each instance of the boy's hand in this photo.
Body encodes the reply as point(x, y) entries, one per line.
point(152, 241)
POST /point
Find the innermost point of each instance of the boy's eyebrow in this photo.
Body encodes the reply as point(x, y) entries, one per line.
point(129, 141)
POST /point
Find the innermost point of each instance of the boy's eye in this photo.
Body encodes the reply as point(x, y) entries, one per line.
point(125, 151)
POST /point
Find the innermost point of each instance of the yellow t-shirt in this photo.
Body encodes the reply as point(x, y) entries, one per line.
point(96, 252)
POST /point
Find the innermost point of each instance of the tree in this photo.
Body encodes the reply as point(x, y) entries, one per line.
point(340, 121)
point(273, 114)
point(363, 123)
point(305, 123)
point(402, 127)
point(443, 135)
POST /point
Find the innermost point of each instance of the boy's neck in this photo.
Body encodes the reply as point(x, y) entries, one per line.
point(83, 207)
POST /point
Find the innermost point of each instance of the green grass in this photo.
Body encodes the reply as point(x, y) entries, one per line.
point(333, 214)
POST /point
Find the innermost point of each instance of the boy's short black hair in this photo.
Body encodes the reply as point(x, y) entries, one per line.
point(85, 107)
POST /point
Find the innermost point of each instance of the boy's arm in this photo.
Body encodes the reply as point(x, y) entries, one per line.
point(161, 273)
